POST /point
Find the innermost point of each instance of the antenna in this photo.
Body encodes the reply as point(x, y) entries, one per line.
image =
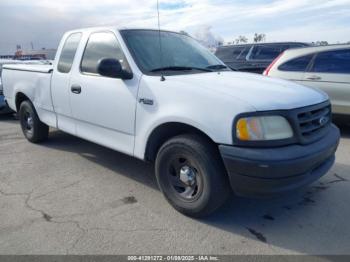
point(162, 78)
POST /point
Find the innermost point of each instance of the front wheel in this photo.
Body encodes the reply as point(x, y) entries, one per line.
point(33, 129)
point(191, 175)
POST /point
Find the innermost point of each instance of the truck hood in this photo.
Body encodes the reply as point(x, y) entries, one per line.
point(261, 92)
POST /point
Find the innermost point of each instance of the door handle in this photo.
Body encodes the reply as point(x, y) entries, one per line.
point(314, 78)
point(76, 89)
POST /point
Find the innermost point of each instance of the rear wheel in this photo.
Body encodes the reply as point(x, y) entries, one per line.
point(33, 129)
point(191, 175)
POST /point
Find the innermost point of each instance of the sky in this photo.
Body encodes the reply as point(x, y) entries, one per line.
point(43, 22)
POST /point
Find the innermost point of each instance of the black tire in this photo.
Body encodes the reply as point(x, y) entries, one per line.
point(33, 129)
point(197, 157)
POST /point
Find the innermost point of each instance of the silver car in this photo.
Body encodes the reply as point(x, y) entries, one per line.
point(323, 67)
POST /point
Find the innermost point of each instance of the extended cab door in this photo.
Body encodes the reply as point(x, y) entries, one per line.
point(330, 71)
point(103, 107)
point(60, 84)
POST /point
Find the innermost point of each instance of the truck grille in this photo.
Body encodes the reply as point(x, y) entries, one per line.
point(1, 93)
point(314, 121)
point(309, 124)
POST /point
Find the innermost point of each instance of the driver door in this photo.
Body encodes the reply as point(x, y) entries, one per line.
point(104, 107)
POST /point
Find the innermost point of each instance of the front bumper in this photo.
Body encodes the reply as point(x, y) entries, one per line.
point(266, 171)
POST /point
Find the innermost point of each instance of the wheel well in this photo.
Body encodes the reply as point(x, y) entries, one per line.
point(166, 131)
point(20, 97)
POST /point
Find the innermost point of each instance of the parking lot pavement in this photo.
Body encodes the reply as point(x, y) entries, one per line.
point(71, 196)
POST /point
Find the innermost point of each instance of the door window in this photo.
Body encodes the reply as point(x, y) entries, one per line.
point(101, 45)
point(68, 53)
point(332, 62)
point(296, 65)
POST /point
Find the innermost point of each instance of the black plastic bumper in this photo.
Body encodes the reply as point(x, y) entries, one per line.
point(4, 108)
point(266, 171)
point(2, 102)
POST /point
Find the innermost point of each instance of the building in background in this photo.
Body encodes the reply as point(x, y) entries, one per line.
point(42, 54)
point(7, 57)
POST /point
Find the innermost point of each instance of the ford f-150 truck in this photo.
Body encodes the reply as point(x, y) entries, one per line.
point(162, 97)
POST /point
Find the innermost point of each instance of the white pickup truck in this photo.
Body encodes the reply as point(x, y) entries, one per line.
point(162, 97)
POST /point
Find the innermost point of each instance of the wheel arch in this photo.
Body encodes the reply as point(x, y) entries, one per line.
point(166, 131)
point(20, 97)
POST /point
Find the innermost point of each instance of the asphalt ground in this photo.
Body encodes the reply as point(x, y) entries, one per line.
point(70, 196)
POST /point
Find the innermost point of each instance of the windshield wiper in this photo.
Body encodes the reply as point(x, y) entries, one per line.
point(219, 66)
point(180, 68)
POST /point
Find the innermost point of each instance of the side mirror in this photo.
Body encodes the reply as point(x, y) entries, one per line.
point(111, 67)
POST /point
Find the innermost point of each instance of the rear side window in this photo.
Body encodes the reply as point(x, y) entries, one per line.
point(243, 53)
point(237, 51)
point(296, 65)
point(265, 52)
point(224, 53)
point(68, 53)
point(101, 45)
point(234, 52)
point(332, 62)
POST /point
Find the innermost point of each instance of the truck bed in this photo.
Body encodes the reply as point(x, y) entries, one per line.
point(35, 82)
point(30, 68)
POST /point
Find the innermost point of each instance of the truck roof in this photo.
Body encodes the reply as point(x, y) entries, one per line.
point(39, 68)
point(101, 28)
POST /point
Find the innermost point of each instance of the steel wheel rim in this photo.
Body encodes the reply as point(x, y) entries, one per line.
point(28, 122)
point(185, 178)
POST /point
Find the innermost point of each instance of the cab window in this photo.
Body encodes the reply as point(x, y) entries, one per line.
point(101, 45)
point(68, 53)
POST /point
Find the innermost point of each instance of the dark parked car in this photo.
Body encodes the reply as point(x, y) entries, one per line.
point(254, 58)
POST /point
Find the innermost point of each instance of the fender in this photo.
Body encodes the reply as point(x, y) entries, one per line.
point(142, 138)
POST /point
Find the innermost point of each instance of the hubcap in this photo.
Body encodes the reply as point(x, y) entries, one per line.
point(187, 175)
point(28, 122)
point(185, 179)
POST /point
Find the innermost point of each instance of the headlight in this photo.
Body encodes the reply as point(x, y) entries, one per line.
point(260, 128)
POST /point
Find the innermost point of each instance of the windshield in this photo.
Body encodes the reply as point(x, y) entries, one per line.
point(180, 53)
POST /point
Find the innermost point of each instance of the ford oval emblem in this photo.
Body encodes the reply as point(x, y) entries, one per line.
point(323, 120)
